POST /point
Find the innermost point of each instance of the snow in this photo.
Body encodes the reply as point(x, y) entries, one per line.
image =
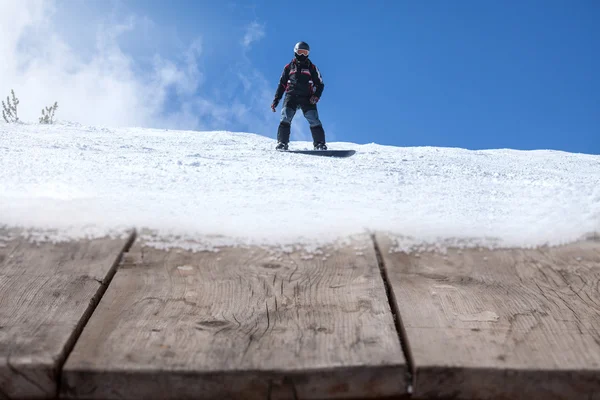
point(207, 189)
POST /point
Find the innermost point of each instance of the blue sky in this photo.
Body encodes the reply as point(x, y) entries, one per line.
point(470, 74)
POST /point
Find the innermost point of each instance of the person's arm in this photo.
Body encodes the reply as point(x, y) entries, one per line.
point(282, 84)
point(317, 81)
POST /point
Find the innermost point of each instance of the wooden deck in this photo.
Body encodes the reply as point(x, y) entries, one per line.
point(118, 319)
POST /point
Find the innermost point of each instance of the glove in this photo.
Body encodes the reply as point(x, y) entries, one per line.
point(274, 105)
point(314, 100)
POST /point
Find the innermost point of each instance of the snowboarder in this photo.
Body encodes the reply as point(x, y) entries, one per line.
point(303, 85)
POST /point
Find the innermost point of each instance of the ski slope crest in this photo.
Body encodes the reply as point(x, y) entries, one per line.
point(227, 188)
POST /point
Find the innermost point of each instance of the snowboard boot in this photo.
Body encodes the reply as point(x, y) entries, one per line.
point(281, 146)
point(318, 135)
point(283, 136)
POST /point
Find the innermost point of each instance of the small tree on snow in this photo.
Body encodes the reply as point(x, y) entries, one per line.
point(9, 111)
point(48, 114)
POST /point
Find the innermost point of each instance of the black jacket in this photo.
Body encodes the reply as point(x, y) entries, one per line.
point(300, 79)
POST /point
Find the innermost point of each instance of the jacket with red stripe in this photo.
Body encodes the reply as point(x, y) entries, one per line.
point(300, 79)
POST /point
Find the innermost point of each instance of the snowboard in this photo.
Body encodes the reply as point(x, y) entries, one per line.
point(323, 153)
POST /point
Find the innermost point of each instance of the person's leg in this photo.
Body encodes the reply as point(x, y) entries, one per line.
point(288, 110)
point(316, 127)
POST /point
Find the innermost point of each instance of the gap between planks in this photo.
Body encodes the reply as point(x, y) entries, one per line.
point(94, 301)
point(411, 375)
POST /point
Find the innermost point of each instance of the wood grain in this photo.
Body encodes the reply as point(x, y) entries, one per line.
point(241, 323)
point(503, 324)
point(47, 291)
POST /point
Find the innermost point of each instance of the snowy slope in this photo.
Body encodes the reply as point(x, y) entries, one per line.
point(90, 180)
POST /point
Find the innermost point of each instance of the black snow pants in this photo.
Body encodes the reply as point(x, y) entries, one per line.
point(291, 104)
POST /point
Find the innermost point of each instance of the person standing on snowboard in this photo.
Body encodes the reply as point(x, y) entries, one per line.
point(303, 86)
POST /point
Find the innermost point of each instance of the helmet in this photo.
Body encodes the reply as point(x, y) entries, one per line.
point(301, 50)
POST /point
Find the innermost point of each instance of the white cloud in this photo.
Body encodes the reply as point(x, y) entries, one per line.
point(96, 81)
point(106, 87)
point(254, 32)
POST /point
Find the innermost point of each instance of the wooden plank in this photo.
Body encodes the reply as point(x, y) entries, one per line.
point(241, 323)
point(47, 291)
point(502, 324)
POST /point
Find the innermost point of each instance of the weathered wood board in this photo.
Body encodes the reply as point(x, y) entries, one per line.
point(47, 292)
point(503, 324)
point(240, 323)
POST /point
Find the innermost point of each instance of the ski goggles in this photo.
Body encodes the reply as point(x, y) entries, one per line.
point(302, 52)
